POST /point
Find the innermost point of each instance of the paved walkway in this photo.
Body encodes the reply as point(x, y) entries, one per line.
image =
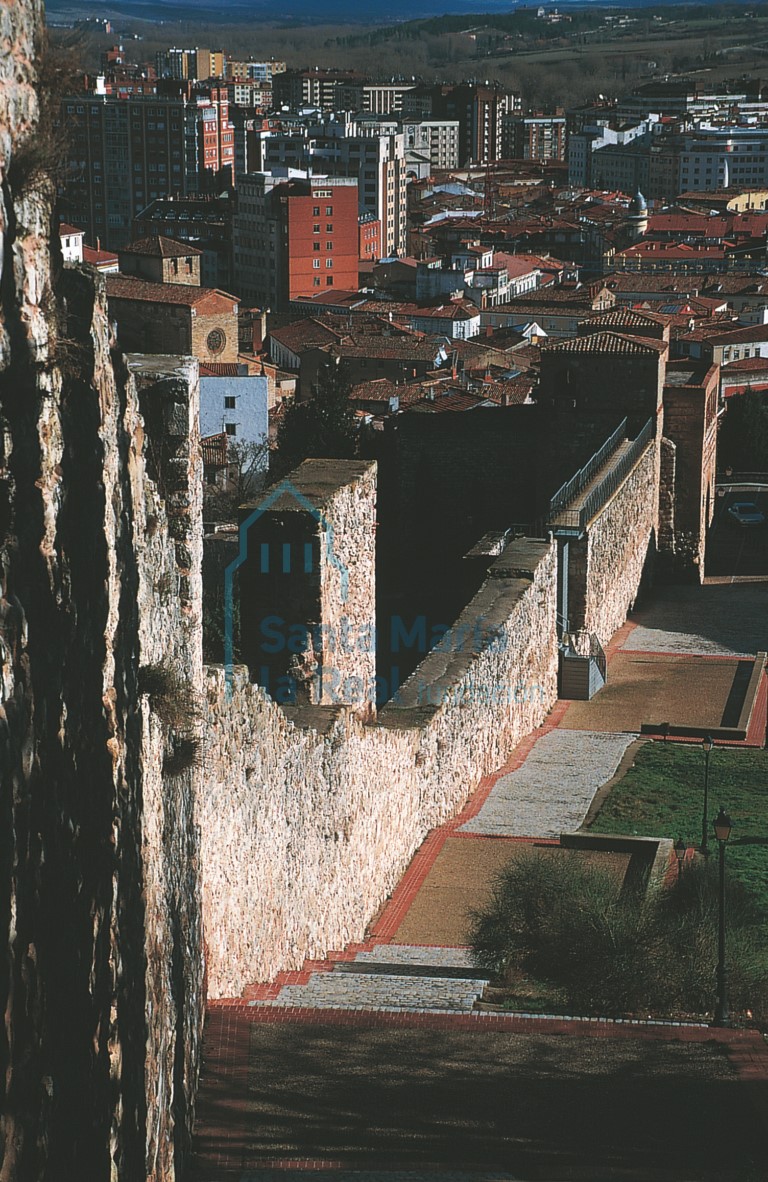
point(552, 791)
point(374, 1065)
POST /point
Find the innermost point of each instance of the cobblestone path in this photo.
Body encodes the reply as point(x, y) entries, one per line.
point(552, 791)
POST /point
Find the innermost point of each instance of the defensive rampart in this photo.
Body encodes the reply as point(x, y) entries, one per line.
point(307, 824)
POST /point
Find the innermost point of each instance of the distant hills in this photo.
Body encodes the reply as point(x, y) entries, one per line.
point(310, 11)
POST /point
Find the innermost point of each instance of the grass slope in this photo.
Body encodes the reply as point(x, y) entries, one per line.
point(662, 795)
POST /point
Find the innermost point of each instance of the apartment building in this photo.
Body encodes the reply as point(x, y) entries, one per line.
point(429, 143)
point(262, 72)
point(336, 148)
point(295, 235)
point(478, 109)
point(190, 64)
point(125, 153)
point(612, 158)
point(720, 156)
point(311, 88)
point(377, 98)
point(533, 137)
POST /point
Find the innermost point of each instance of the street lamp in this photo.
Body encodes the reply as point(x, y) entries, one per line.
point(722, 826)
point(707, 744)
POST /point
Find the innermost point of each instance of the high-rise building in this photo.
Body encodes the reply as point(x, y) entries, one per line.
point(262, 72)
point(479, 110)
point(190, 65)
point(376, 159)
point(533, 137)
point(294, 236)
point(124, 153)
point(718, 157)
point(311, 88)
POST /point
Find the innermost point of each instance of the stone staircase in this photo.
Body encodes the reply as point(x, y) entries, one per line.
point(391, 977)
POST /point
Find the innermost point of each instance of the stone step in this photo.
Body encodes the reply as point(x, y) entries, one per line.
point(417, 954)
point(371, 991)
point(380, 968)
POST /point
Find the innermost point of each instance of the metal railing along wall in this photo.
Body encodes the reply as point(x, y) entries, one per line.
point(577, 519)
point(571, 489)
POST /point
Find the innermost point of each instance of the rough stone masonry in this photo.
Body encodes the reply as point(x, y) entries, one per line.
point(101, 977)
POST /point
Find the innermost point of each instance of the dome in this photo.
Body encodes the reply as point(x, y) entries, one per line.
point(639, 204)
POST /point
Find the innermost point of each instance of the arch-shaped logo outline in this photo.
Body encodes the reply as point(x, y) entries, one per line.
point(284, 487)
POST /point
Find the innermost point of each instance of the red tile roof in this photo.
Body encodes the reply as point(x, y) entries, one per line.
point(214, 449)
point(608, 343)
point(99, 258)
point(625, 318)
point(740, 336)
point(219, 369)
point(159, 247)
point(746, 365)
point(203, 299)
point(304, 334)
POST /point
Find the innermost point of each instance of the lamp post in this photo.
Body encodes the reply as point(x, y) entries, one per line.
point(707, 744)
point(680, 848)
point(722, 826)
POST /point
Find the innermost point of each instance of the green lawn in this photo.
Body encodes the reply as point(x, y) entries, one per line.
point(662, 795)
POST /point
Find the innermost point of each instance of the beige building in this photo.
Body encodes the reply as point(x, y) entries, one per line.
point(173, 318)
point(161, 260)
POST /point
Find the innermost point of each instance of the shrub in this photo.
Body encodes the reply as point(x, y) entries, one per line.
point(186, 753)
point(171, 698)
point(612, 951)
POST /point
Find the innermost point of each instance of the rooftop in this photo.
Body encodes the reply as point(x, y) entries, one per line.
point(158, 247)
point(613, 343)
point(204, 299)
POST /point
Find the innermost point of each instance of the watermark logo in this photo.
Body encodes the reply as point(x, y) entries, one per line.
point(267, 560)
point(334, 662)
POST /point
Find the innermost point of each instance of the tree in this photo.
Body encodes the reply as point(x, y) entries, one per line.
point(743, 440)
point(245, 476)
point(322, 427)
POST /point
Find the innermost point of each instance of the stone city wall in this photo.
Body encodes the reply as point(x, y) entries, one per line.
point(616, 548)
point(103, 989)
point(308, 825)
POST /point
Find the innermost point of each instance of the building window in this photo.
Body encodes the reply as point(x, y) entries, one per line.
point(230, 428)
point(329, 281)
point(329, 228)
point(329, 263)
point(329, 211)
point(315, 245)
point(229, 402)
point(316, 281)
point(329, 246)
point(316, 212)
point(316, 228)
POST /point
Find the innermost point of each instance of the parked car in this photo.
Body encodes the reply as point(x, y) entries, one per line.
point(746, 513)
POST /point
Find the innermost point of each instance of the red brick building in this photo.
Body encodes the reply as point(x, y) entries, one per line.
point(295, 238)
point(369, 230)
point(321, 241)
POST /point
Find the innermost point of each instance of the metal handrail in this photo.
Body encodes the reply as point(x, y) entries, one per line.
point(570, 490)
point(577, 519)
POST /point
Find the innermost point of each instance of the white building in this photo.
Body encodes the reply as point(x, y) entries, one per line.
point(718, 157)
point(71, 243)
point(235, 407)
